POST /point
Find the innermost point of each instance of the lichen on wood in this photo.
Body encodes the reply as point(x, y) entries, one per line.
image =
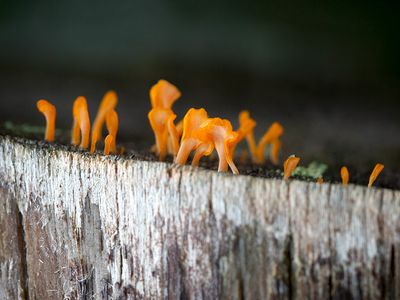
point(76, 226)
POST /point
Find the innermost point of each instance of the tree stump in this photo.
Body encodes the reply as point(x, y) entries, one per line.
point(80, 226)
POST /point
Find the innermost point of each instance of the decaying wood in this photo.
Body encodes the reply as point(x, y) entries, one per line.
point(79, 226)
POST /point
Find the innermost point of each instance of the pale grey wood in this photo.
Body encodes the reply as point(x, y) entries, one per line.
point(114, 228)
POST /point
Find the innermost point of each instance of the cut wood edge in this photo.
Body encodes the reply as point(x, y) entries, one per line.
point(99, 225)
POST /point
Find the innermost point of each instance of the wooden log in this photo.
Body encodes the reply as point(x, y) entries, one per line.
point(80, 226)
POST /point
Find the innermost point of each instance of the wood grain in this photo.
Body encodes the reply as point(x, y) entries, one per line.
point(79, 226)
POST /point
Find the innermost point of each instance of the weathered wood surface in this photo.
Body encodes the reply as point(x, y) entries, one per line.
point(77, 226)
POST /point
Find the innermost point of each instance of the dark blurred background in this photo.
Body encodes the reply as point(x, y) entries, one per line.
point(329, 72)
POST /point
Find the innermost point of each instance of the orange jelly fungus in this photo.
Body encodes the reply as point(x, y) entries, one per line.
point(245, 130)
point(276, 146)
point(163, 94)
point(81, 125)
point(289, 165)
point(243, 156)
point(219, 133)
point(273, 133)
point(320, 180)
point(191, 139)
point(375, 173)
point(49, 111)
point(108, 142)
point(162, 123)
point(112, 127)
point(108, 103)
point(344, 173)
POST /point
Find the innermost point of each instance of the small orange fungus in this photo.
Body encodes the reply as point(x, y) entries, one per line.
point(243, 156)
point(344, 173)
point(276, 146)
point(289, 165)
point(163, 94)
point(220, 134)
point(108, 142)
point(162, 123)
point(246, 129)
point(122, 150)
point(190, 137)
point(49, 111)
point(273, 133)
point(320, 180)
point(112, 127)
point(375, 173)
point(108, 103)
point(81, 125)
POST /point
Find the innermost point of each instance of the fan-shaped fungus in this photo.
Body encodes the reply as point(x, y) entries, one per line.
point(289, 165)
point(163, 94)
point(375, 173)
point(246, 129)
point(49, 111)
point(190, 136)
point(220, 134)
point(81, 127)
point(161, 121)
point(108, 142)
point(344, 173)
point(112, 127)
point(272, 134)
point(108, 103)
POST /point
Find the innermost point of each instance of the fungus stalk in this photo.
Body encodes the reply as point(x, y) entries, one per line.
point(276, 146)
point(344, 173)
point(273, 133)
point(247, 125)
point(81, 126)
point(375, 173)
point(289, 165)
point(161, 121)
point(219, 132)
point(49, 111)
point(112, 127)
point(108, 143)
point(108, 103)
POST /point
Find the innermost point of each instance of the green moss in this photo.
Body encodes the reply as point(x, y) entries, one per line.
point(314, 170)
point(26, 129)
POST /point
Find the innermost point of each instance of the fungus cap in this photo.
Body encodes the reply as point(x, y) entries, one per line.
point(164, 94)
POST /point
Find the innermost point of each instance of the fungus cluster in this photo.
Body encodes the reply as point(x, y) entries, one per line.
point(200, 134)
point(196, 134)
point(80, 133)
